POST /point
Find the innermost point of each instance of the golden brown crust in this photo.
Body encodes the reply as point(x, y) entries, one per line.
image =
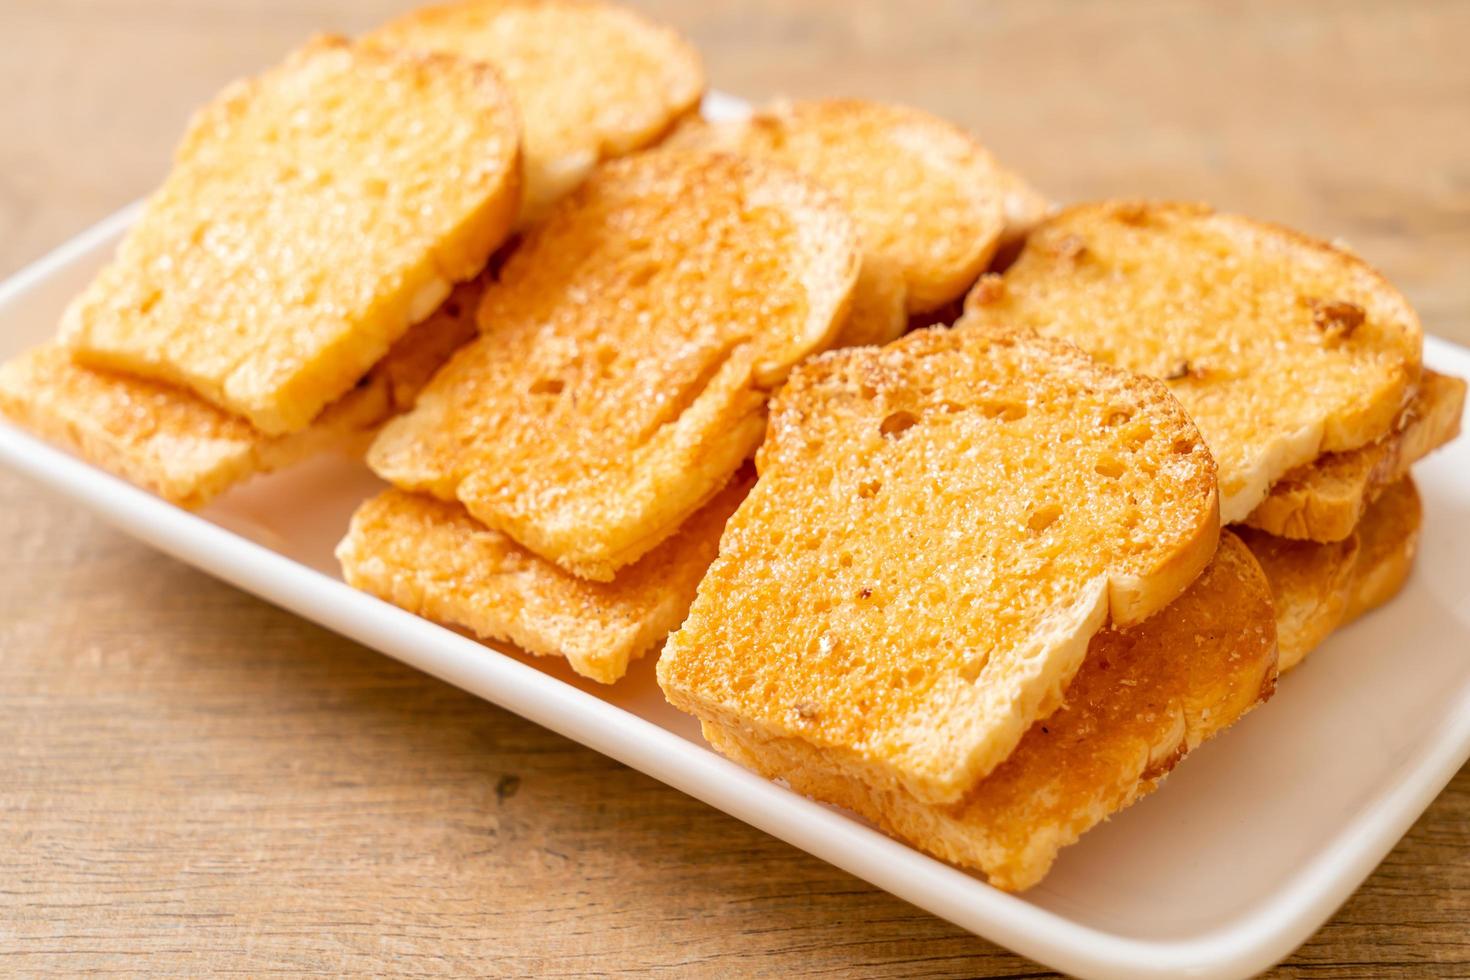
point(433, 559)
point(1320, 586)
point(628, 347)
point(175, 444)
point(939, 527)
point(927, 198)
point(1280, 347)
point(297, 236)
point(1325, 499)
point(1143, 698)
point(592, 80)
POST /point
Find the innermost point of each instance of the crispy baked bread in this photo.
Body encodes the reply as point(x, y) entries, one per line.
point(433, 559)
point(592, 80)
point(939, 528)
point(1143, 698)
point(313, 214)
point(1280, 347)
point(1320, 586)
point(626, 354)
point(174, 443)
point(1325, 499)
point(926, 197)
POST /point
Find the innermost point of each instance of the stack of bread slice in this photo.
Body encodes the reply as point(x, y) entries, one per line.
point(985, 585)
point(593, 485)
point(588, 439)
point(315, 253)
point(950, 539)
point(1300, 364)
point(932, 205)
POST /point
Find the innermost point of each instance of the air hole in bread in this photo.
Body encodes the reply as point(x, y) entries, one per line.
point(641, 276)
point(869, 488)
point(896, 424)
point(1183, 447)
point(1044, 517)
point(1137, 434)
point(1110, 467)
point(868, 392)
point(1117, 416)
point(547, 386)
point(1004, 411)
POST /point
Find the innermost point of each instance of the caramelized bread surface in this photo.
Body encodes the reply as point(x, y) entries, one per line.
point(627, 351)
point(312, 215)
point(431, 558)
point(592, 80)
point(1143, 698)
point(939, 527)
point(928, 199)
point(1280, 347)
point(172, 442)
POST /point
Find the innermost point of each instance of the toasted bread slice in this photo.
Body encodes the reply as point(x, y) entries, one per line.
point(433, 559)
point(1325, 499)
point(877, 313)
point(927, 198)
point(592, 80)
point(939, 528)
point(626, 353)
point(1280, 347)
point(312, 216)
point(174, 443)
point(1143, 698)
point(1320, 586)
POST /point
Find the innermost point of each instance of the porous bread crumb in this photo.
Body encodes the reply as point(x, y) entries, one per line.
point(1305, 349)
point(1143, 698)
point(928, 199)
point(627, 350)
point(592, 80)
point(939, 527)
point(312, 215)
point(433, 559)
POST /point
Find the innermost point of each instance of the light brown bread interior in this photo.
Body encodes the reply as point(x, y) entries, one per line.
point(1143, 698)
point(939, 527)
point(172, 442)
point(626, 355)
point(1280, 347)
point(592, 80)
point(928, 199)
point(312, 215)
point(433, 559)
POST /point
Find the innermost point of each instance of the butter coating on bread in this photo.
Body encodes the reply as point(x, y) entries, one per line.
point(1280, 347)
point(1319, 587)
point(592, 80)
point(433, 559)
point(928, 199)
point(1326, 499)
point(939, 527)
point(312, 215)
point(175, 444)
point(628, 347)
point(1143, 698)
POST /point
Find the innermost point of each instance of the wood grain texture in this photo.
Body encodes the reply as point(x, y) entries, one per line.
point(193, 780)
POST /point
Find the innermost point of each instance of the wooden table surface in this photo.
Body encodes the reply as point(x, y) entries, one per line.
point(192, 780)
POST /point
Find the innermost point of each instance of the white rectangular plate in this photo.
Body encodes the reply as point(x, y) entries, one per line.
point(1245, 852)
